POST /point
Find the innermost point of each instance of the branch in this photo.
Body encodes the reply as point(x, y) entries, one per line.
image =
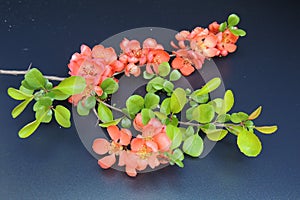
point(17, 72)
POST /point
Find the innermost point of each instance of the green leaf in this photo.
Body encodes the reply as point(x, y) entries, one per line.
point(58, 95)
point(160, 115)
point(165, 106)
point(216, 135)
point(204, 113)
point(223, 118)
point(174, 135)
point(164, 69)
point(178, 100)
point(208, 87)
point(189, 113)
point(233, 20)
point(90, 102)
point(147, 115)
point(18, 94)
point(151, 100)
point(177, 157)
point(236, 130)
point(218, 105)
point(44, 115)
point(20, 108)
point(228, 100)
point(168, 86)
point(62, 116)
point(125, 122)
point(72, 85)
point(155, 84)
point(104, 113)
point(255, 113)
point(82, 110)
point(25, 90)
point(239, 117)
point(134, 104)
point(237, 32)
point(266, 129)
point(28, 129)
point(223, 26)
point(248, 143)
point(48, 85)
point(109, 86)
point(35, 79)
point(193, 145)
point(146, 75)
point(111, 123)
point(45, 101)
point(200, 99)
point(25, 84)
point(175, 75)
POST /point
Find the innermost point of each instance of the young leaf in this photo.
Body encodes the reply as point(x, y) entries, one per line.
point(151, 100)
point(208, 87)
point(228, 100)
point(35, 79)
point(175, 75)
point(174, 135)
point(266, 129)
point(255, 113)
point(165, 106)
point(164, 69)
point(237, 32)
point(17, 94)
point(223, 26)
point(62, 116)
point(216, 135)
point(178, 100)
point(189, 113)
point(109, 86)
point(104, 113)
point(168, 86)
point(113, 122)
point(72, 85)
point(223, 118)
point(125, 122)
point(233, 20)
point(81, 110)
point(146, 75)
point(27, 130)
point(177, 158)
point(248, 143)
point(147, 115)
point(218, 105)
point(20, 108)
point(90, 102)
point(204, 113)
point(193, 145)
point(134, 104)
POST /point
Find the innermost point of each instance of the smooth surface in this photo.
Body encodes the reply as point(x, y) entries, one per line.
point(53, 164)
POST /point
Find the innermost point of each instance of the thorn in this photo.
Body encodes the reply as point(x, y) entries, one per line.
point(30, 65)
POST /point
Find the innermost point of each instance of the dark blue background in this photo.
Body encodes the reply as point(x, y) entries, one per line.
point(53, 164)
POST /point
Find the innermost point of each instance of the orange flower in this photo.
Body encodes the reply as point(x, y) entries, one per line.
point(155, 58)
point(137, 122)
point(101, 146)
point(184, 65)
point(132, 69)
point(214, 28)
point(226, 42)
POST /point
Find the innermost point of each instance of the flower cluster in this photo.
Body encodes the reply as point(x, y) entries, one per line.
point(146, 149)
point(203, 43)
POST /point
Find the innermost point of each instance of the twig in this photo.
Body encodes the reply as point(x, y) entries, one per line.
point(22, 72)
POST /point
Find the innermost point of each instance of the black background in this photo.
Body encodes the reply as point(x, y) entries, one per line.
point(53, 164)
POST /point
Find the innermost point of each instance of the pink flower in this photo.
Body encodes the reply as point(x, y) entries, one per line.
point(214, 28)
point(101, 146)
point(132, 69)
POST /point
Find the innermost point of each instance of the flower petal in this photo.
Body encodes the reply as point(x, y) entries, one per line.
point(125, 136)
point(137, 144)
point(114, 132)
point(152, 145)
point(153, 161)
point(100, 146)
point(130, 171)
point(177, 63)
point(107, 161)
point(162, 141)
